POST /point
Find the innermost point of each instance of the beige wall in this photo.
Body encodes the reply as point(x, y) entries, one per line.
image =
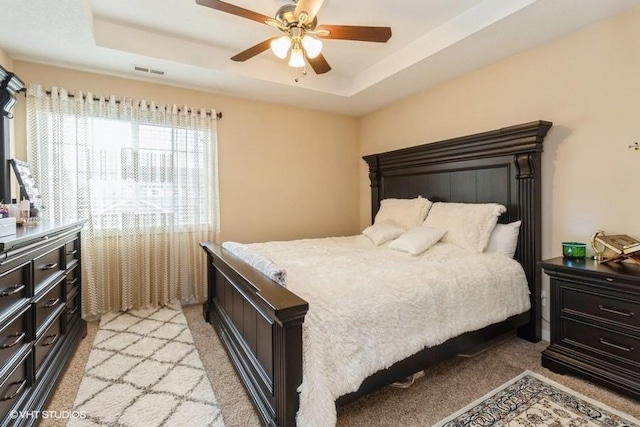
point(5, 60)
point(587, 84)
point(275, 183)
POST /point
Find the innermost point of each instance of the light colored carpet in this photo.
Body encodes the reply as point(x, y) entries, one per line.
point(531, 399)
point(444, 390)
point(143, 369)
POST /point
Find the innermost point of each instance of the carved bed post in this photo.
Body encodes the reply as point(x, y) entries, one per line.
point(288, 368)
point(529, 241)
point(372, 161)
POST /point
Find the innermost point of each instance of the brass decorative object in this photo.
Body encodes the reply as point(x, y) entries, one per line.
point(598, 249)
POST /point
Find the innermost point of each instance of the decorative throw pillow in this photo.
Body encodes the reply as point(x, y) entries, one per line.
point(407, 213)
point(417, 240)
point(504, 239)
point(383, 231)
point(468, 225)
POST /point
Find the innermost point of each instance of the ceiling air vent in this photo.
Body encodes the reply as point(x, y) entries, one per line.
point(144, 69)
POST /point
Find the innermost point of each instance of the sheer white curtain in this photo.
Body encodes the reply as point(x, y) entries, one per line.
point(144, 176)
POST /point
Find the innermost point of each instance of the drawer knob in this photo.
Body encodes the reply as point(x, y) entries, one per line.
point(73, 252)
point(18, 335)
point(15, 289)
point(49, 266)
point(51, 302)
point(619, 313)
point(17, 392)
point(72, 311)
point(72, 282)
point(619, 347)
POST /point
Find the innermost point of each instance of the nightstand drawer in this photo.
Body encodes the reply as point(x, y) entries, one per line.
point(595, 322)
point(622, 348)
point(603, 307)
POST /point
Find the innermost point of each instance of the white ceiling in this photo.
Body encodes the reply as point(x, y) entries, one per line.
point(433, 41)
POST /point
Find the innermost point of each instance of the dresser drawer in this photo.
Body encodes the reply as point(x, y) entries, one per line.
point(72, 252)
point(72, 280)
point(624, 312)
point(47, 342)
point(621, 349)
point(47, 304)
point(74, 308)
point(14, 336)
point(14, 387)
point(46, 266)
point(14, 287)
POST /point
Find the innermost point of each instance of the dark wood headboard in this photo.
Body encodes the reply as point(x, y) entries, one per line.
point(501, 166)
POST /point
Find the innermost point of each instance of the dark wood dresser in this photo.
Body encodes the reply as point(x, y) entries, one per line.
point(40, 315)
point(595, 322)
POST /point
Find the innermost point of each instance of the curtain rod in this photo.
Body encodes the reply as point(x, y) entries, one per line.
point(70, 95)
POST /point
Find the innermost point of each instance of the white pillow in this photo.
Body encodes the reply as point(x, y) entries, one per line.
point(407, 213)
point(417, 240)
point(468, 225)
point(383, 231)
point(504, 239)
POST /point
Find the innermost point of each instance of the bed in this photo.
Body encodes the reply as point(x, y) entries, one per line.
point(260, 323)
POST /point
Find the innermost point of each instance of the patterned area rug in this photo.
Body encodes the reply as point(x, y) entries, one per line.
point(531, 400)
point(143, 369)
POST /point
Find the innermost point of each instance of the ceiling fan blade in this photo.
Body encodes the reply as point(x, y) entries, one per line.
point(310, 6)
point(356, 33)
point(319, 64)
point(253, 51)
point(234, 10)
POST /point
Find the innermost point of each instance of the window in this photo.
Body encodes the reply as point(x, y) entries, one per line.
point(146, 180)
point(143, 170)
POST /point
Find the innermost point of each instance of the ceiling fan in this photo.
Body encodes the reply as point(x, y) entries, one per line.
point(302, 34)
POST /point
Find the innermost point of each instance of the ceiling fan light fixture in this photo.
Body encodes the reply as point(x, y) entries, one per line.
point(312, 46)
point(299, 23)
point(280, 46)
point(297, 57)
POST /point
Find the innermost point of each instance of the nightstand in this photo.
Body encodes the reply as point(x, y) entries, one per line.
point(595, 322)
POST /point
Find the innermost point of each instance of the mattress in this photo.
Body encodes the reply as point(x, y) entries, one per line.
point(370, 307)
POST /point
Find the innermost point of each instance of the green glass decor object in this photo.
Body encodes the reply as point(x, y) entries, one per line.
point(574, 249)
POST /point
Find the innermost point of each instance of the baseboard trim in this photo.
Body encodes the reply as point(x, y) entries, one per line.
point(546, 335)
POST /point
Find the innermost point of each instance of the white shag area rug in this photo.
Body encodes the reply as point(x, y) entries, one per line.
point(144, 370)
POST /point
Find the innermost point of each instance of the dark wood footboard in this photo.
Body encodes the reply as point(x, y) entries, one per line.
point(260, 325)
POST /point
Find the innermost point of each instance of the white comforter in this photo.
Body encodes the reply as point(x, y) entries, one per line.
point(370, 307)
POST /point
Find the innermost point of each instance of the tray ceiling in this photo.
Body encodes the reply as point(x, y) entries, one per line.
point(433, 41)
